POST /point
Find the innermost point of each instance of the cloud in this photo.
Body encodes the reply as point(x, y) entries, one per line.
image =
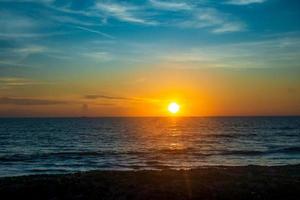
point(81, 12)
point(29, 101)
point(16, 81)
point(17, 26)
point(277, 51)
point(167, 5)
point(32, 49)
point(98, 56)
point(15, 23)
point(119, 98)
point(244, 2)
point(31, 1)
point(30, 35)
point(124, 12)
point(190, 14)
point(73, 20)
point(17, 54)
point(97, 96)
point(94, 31)
point(229, 27)
point(217, 21)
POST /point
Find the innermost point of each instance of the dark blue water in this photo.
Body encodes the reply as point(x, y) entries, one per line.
point(33, 146)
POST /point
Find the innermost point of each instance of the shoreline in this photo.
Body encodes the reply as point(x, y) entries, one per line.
point(211, 182)
point(155, 169)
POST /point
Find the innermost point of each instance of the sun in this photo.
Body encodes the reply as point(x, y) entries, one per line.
point(173, 107)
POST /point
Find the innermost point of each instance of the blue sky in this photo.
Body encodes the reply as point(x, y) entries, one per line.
point(45, 42)
point(143, 30)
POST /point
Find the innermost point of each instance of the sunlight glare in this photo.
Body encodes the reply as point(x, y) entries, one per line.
point(173, 107)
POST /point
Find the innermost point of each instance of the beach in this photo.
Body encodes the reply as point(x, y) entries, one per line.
point(215, 182)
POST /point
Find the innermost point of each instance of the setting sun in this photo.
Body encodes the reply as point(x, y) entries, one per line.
point(173, 107)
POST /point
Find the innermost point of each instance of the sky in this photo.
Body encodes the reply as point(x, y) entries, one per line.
point(70, 58)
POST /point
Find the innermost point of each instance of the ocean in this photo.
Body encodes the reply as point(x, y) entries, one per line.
point(64, 145)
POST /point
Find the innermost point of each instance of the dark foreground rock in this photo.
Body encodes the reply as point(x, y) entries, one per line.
point(252, 182)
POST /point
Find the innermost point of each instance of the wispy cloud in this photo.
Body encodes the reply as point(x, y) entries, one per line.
point(245, 2)
point(227, 27)
point(13, 64)
point(15, 23)
point(18, 26)
point(17, 81)
point(29, 101)
point(217, 21)
point(120, 98)
point(94, 31)
point(268, 52)
point(169, 5)
point(124, 12)
point(98, 55)
point(100, 96)
point(16, 55)
point(33, 1)
point(82, 12)
point(31, 35)
point(31, 49)
point(190, 15)
point(63, 19)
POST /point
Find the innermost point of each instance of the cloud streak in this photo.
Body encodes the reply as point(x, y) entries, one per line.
point(99, 96)
point(31, 1)
point(94, 31)
point(217, 21)
point(245, 2)
point(267, 52)
point(123, 12)
point(173, 6)
point(29, 101)
point(120, 98)
point(191, 15)
point(17, 81)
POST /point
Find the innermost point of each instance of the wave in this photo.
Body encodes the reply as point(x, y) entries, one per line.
point(287, 150)
point(290, 150)
point(143, 154)
point(28, 157)
point(243, 152)
point(67, 154)
point(285, 128)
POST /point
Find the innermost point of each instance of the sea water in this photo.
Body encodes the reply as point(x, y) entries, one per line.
point(64, 145)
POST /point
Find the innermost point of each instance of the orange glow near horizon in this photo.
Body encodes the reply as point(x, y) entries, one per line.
point(200, 93)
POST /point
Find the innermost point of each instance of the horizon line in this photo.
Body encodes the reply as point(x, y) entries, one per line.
point(191, 116)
